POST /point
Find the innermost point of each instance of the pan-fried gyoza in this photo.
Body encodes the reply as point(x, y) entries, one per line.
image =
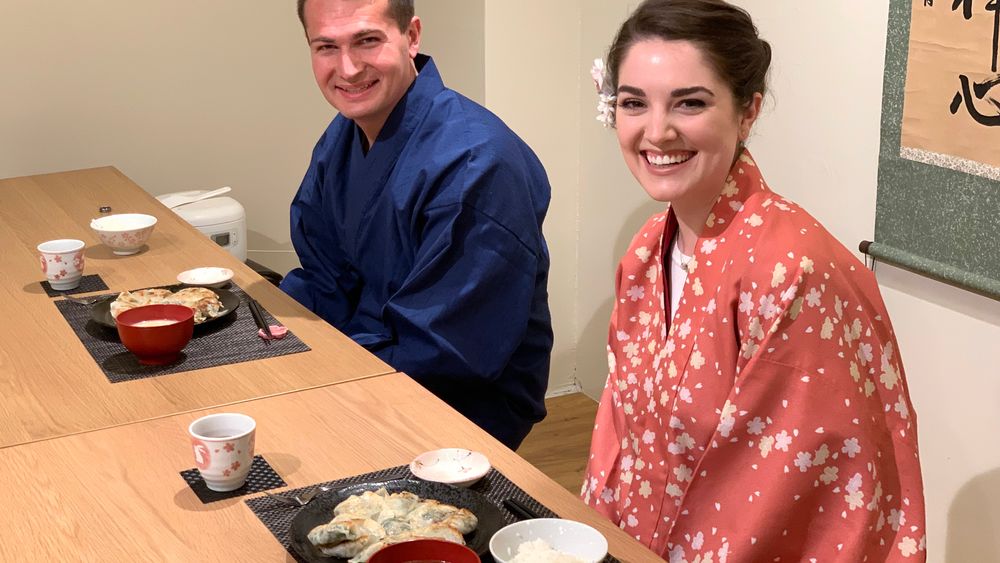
point(365, 523)
point(204, 302)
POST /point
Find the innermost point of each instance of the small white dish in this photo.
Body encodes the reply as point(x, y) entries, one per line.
point(206, 277)
point(452, 466)
point(565, 536)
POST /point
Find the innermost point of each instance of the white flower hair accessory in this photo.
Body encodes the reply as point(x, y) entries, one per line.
point(605, 98)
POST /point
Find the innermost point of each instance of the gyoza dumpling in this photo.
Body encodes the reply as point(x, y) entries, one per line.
point(366, 505)
point(203, 301)
point(367, 553)
point(398, 505)
point(131, 299)
point(345, 536)
point(396, 526)
point(440, 531)
point(462, 520)
point(431, 511)
point(150, 296)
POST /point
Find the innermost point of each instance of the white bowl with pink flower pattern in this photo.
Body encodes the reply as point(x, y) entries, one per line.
point(124, 233)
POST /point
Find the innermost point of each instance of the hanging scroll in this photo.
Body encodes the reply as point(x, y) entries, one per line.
point(951, 109)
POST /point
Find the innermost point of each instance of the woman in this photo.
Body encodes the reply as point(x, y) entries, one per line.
point(756, 408)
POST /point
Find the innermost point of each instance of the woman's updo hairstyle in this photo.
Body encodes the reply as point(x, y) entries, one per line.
point(725, 34)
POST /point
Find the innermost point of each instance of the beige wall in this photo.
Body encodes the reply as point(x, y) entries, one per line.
point(538, 97)
point(178, 94)
point(612, 205)
point(186, 94)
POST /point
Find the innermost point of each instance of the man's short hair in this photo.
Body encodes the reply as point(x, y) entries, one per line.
point(401, 11)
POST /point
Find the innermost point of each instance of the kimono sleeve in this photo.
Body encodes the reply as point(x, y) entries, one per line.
point(325, 283)
point(465, 305)
point(609, 424)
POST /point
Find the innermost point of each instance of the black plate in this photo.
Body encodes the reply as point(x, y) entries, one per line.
point(100, 312)
point(320, 511)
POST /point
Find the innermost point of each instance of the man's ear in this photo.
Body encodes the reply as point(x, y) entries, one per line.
point(413, 36)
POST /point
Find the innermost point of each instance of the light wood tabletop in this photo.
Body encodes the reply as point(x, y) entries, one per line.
point(51, 386)
point(116, 494)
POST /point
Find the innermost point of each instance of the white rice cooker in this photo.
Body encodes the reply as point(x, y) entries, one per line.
point(222, 219)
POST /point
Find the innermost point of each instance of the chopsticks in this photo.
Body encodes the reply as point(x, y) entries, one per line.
point(258, 317)
point(519, 509)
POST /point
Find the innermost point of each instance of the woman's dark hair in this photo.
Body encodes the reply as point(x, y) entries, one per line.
point(724, 33)
point(400, 11)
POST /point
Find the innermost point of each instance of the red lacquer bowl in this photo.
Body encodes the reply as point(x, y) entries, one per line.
point(437, 551)
point(156, 345)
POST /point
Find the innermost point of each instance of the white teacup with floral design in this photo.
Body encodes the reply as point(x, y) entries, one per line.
point(62, 262)
point(223, 449)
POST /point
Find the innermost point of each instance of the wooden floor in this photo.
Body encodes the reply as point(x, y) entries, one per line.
point(560, 444)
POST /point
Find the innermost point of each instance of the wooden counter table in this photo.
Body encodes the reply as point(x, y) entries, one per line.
point(116, 494)
point(51, 386)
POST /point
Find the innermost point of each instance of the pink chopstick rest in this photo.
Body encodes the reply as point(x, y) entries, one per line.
point(277, 331)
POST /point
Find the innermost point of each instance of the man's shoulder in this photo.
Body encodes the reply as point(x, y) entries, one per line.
point(478, 126)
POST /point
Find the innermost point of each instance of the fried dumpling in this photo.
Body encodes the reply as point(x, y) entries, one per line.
point(396, 526)
point(151, 295)
point(398, 505)
point(204, 302)
point(131, 299)
point(366, 505)
point(429, 511)
point(440, 531)
point(433, 512)
point(367, 552)
point(345, 536)
point(462, 520)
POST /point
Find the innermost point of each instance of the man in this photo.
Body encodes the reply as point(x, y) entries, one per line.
point(418, 223)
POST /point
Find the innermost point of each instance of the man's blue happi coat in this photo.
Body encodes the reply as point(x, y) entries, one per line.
point(428, 251)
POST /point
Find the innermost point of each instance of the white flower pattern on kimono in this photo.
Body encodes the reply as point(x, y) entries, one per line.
point(812, 298)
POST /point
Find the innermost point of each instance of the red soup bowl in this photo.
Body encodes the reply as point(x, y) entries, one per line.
point(429, 550)
point(156, 334)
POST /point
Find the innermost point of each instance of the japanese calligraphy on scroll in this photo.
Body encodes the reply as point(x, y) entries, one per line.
point(951, 108)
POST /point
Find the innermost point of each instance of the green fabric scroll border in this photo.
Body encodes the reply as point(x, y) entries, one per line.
point(932, 221)
point(939, 271)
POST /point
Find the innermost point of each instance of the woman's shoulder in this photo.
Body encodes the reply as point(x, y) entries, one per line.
point(793, 252)
point(775, 226)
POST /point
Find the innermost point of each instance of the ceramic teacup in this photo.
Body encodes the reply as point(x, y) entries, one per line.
point(223, 449)
point(62, 262)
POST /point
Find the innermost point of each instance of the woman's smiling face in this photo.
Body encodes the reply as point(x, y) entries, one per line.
point(678, 123)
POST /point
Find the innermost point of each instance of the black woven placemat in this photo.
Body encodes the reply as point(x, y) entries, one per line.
point(92, 282)
point(229, 340)
point(262, 477)
point(495, 486)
